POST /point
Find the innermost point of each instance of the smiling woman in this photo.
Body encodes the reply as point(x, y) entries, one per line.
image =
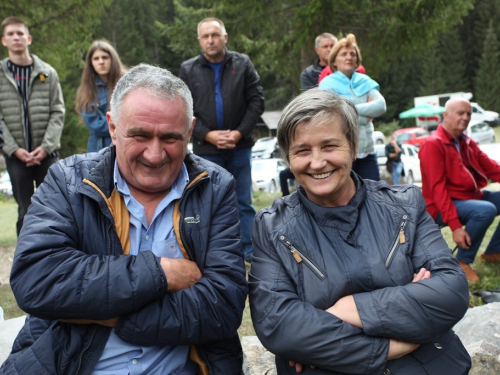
point(358, 268)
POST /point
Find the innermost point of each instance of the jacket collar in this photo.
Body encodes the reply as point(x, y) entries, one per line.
point(39, 67)
point(102, 174)
point(343, 218)
point(446, 137)
point(227, 57)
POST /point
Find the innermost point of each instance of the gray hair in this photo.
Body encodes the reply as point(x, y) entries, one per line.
point(154, 81)
point(324, 36)
point(317, 106)
point(212, 19)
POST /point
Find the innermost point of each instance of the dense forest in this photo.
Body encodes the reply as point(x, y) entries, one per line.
point(411, 47)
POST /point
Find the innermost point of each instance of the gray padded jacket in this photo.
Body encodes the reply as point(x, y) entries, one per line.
point(306, 257)
point(45, 107)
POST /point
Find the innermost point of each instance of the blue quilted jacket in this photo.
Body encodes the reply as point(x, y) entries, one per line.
point(69, 264)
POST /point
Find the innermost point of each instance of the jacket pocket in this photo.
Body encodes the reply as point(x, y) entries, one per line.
point(300, 257)
point(399, 240)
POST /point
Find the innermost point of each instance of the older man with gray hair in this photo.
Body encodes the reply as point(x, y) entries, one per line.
point(454, 174)
point(130, 260)
point(323, 44)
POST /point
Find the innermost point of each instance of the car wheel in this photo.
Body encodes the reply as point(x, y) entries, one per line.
point(273, 187)
point(409, 179)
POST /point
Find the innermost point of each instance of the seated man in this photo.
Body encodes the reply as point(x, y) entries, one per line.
point(454, 170)
point(130, 259)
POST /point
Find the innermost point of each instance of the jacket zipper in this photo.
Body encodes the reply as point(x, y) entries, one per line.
point(400, 239)
point(84, 350)
point(299, 257)
point(473, 179)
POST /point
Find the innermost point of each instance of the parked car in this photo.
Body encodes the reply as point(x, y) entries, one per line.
point(481, 115)
point(411, 163)
point(492, 150)
point(5, 185)
point(378, 137)
point(266, 174)
point(266, 148)
point(414, 136)
point(480, 132)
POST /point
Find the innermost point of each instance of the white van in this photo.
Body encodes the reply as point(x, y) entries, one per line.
point(478, 113)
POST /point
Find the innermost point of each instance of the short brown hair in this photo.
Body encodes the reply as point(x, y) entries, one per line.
point(13, 20)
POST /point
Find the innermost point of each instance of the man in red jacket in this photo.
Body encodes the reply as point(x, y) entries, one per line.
point(454, 170)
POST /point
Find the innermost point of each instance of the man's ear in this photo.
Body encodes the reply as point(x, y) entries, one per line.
point(111, 127)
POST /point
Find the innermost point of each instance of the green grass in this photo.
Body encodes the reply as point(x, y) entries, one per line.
point(8, 303)
point(8, 217)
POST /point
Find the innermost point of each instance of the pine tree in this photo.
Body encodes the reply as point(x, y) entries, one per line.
point(487, 80)
point(452, 57)
point(433, 70)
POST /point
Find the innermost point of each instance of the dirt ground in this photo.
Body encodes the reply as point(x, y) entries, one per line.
point(6, 257)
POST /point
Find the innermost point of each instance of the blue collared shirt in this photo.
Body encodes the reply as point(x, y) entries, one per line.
point(118, 356)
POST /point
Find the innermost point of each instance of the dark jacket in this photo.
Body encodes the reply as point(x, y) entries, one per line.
point(448, 174)
point(310, 75)
point(69, 264)
point(242, 95)
point(306, 257)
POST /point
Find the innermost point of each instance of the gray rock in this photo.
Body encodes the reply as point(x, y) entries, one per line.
point(479, 331)
point(8, 333)
point(257, 360)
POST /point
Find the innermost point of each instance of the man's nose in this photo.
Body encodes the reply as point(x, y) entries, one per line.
point(154, 152)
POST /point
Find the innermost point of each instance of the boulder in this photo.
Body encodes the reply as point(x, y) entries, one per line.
point(257, 360)
point(479, 331)
point(8, 333)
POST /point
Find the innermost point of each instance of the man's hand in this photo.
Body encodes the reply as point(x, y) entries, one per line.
point(180, 273)
point(462, 238)
point(398, 349)
point(38, 154)
point(223, 139)
point(24, 156)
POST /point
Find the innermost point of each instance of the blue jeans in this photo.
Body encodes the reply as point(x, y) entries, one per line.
point(397, 169)
point(367, 168)
point(238, 162)
point(478, 216)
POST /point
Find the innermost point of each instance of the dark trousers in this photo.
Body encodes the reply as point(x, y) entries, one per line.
point(23, 180)
point(285, 175)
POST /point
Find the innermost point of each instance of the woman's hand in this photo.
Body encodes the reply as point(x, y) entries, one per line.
point(398, 349)
point(421, 275)
point(345, 309)
point(298, 366)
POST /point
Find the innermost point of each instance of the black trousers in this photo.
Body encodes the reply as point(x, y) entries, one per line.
point(23, 180)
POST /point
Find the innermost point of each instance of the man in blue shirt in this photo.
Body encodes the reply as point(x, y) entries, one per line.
point(228, 102)
point(130, 261)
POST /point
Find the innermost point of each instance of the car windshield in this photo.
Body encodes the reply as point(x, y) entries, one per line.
point(402, 137)
point(267, 144)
